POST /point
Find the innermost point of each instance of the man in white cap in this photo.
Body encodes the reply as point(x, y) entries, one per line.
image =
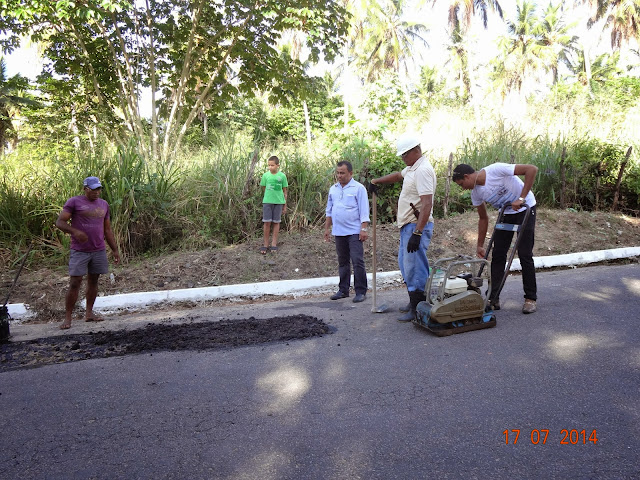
point(90, 226)
point(415, 217)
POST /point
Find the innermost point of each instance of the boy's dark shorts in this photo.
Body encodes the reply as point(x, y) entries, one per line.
point(82, 263)
point(272, 212)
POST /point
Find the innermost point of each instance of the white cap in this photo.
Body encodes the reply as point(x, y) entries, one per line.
point(406, 142)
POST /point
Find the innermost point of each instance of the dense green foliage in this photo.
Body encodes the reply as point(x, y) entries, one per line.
point(194, 57)
point(590, 167)
point(231, 87)
point(209, 197)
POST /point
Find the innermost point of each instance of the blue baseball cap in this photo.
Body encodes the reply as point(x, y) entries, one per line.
point(92, 182)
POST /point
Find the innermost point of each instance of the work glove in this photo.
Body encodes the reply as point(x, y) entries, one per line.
point(372, 188)
point(414, 243)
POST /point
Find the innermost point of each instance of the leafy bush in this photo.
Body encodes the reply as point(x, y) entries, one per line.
point(591, 166)
point(624, 91)
point(210, 194)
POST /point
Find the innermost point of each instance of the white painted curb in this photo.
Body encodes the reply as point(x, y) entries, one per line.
point(581, 258)
point(305, 286)
point(18, 310)
point(253, 290)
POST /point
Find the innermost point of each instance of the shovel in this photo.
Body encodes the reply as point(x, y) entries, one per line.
point(5, 331)
point(382, 308)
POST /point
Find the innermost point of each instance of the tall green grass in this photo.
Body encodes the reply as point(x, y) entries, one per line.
point(34, 190)
point(590, 166)
point(213, 198)
point(210, 196)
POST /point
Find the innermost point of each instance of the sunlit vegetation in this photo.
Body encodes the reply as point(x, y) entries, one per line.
point(231, 86)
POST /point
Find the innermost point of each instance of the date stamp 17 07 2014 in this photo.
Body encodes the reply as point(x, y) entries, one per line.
point(541, 437)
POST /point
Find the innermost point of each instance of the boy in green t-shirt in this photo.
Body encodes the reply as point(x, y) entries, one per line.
point(274, 203)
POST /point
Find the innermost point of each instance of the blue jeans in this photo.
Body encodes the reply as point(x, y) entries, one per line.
point(414, 266)
point(351, 250)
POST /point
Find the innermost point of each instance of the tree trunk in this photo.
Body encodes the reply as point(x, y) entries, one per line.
point(616, 194)
point(91, 145)
point(598, 175)
point(447, 187)
point(345, 96)
point(587, 66)
point(307, 123)
point(252, 168)
point(563, 178)
point(152, 75)
point(73, 126)
point(471, 87)
point(5, 125)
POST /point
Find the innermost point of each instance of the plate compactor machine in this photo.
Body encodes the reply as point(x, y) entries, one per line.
point(455, 300)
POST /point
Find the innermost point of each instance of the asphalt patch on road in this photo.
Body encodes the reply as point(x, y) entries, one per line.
point(213, 335)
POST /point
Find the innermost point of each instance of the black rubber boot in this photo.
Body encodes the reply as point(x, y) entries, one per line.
point(406, 308)
point(417, 297)
point(414, 298)
point(408, 316)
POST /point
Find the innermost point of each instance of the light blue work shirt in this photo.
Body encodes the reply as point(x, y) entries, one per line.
point(348, 208)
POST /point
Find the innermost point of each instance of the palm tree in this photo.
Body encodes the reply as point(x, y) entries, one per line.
point(11, 98)
point(460, 62)
point(379, 40)
point(462, 11)
point(431, 85)
point(460, 14)
point(357, 10)
point(521, 49)
point(623, 16)
point(389, 39)
point(556, 41)
point(603, 68)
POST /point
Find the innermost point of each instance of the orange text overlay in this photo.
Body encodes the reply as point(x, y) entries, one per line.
point(544, 436)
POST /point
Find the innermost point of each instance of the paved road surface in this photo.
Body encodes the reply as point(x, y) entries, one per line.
point(375, 400)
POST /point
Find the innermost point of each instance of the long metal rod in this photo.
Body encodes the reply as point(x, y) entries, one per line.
point(375, 308)
point(375, 252)
point(493, 235)
point(514, 248)
point(15, 280)
point(521, 228)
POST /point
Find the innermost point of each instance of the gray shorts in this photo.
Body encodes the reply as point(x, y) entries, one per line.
point(272, 212)
point(81, 263)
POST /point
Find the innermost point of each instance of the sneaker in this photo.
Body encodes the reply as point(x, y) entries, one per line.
point(495, 304)
point(529, 306)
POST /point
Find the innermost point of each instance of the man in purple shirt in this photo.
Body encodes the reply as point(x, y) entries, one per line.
point(90, 226)
point(348, 220)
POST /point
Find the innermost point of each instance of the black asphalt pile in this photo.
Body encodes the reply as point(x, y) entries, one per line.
point(157, 338)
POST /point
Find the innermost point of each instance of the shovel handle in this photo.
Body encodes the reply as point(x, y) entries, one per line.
point(375, 253)
point(15, 280)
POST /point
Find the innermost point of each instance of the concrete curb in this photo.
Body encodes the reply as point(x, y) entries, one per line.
point(301, 287)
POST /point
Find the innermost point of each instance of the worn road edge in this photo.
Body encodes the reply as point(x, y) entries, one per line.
point(301, 287)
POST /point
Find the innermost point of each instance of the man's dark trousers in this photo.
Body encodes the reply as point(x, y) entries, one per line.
point(351, 249)
point(502, 243)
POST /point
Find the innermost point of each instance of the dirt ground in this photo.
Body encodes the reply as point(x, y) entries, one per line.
point(306, 255)
point(301, 255)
